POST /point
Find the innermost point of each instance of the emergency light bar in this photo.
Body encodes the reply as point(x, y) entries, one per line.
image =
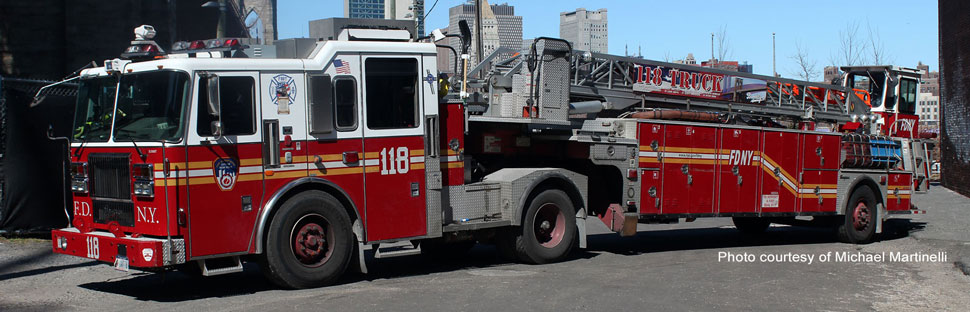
point(211, 45)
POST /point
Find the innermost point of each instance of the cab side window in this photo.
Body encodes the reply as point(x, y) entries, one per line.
point(392, 97)
point(237, 95)
point(345, 100)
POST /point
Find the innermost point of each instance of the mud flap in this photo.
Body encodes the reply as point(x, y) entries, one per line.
point(581, 227)
point(617, 221)
point(883, 215)
point(358, 262)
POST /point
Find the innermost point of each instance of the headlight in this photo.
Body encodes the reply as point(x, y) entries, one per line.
point(62, 242)
point(79, 177)
point(144, 179)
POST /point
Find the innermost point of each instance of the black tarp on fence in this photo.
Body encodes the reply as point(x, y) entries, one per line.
point(32, 170)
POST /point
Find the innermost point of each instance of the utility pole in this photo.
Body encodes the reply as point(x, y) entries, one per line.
point(478, 31)
point(773, 70)
point(712, 50)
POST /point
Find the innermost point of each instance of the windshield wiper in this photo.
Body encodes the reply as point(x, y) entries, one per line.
point(140, 154)
point(77, 152)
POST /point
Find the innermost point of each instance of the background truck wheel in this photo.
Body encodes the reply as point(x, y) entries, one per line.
point(547, 233)
point(861, 215)
point(751, 225)
point(309, 242)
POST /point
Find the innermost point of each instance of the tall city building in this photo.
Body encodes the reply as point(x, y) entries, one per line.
point(585, 30)
point(500, 28)
point(928, 109)
point(364, 8)
point(387, 9)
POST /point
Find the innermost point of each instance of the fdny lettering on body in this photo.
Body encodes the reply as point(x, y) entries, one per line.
point(82, 209)
point(740, 157)
point(146, 215)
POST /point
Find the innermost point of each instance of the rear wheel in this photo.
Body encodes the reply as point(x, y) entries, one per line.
point(547, 233)
point(751, 225)
point(861, 215)
point(309, 242)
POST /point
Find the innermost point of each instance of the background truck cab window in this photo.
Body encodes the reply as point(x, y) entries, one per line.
point(238, 106)
point(391, 93)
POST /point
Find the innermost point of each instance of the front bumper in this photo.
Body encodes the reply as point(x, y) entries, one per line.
point(141, 252)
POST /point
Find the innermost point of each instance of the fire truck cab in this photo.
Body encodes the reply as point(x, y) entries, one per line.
point(891, 92)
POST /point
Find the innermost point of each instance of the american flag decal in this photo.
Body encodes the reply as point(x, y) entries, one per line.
point(341, 67)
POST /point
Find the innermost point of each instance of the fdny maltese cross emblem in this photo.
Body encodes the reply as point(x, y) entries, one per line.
point(282, 86)
point(225, 171)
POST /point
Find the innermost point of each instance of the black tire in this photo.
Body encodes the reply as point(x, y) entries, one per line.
point(317, 223)
point(858, 226)
point(751, 225)
point(548, 230)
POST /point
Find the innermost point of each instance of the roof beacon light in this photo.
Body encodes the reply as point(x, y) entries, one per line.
point(144, 32)
point(143, 47)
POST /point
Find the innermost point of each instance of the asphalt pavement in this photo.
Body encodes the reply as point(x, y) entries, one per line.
point(701, 265)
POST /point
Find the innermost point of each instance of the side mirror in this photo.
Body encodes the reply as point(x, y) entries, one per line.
point(212, 85)
point(466, 36)
point(216, 127)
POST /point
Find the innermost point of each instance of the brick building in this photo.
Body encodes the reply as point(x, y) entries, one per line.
point(955, 95)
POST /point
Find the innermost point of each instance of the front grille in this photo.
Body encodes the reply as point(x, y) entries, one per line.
point(107, 211)
point(110, 175)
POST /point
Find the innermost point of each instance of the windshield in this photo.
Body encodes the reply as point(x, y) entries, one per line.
point(870, 82)
point(151, 106)
point(92, 115)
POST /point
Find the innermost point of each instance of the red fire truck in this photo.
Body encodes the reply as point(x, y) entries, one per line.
point(216, 152)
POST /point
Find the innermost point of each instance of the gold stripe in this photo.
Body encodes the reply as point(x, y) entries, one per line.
point(372, 155)
point(329, 157)
point(417, 166)
point(251, 162)
point(372, 169)
point(338, 171)
point(287, 174)
point(455, 164)
point(419, 152)
point(251, 177)
point(170, 182)
point(774, 164)
point(822, 186)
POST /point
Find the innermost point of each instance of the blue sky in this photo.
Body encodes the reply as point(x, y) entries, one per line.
point(908, 29)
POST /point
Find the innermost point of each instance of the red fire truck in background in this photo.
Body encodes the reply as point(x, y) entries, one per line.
point(216, 153)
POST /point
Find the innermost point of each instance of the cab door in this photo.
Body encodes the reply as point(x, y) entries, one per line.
point(394, 144)
point(224, 176)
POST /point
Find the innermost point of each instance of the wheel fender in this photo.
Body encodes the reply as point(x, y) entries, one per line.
point(259, 230)
point(861, 181)
point(519, 183)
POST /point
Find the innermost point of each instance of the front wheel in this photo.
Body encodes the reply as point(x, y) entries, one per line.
point(861, 215)
point(309, 242)
point(547, 233)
